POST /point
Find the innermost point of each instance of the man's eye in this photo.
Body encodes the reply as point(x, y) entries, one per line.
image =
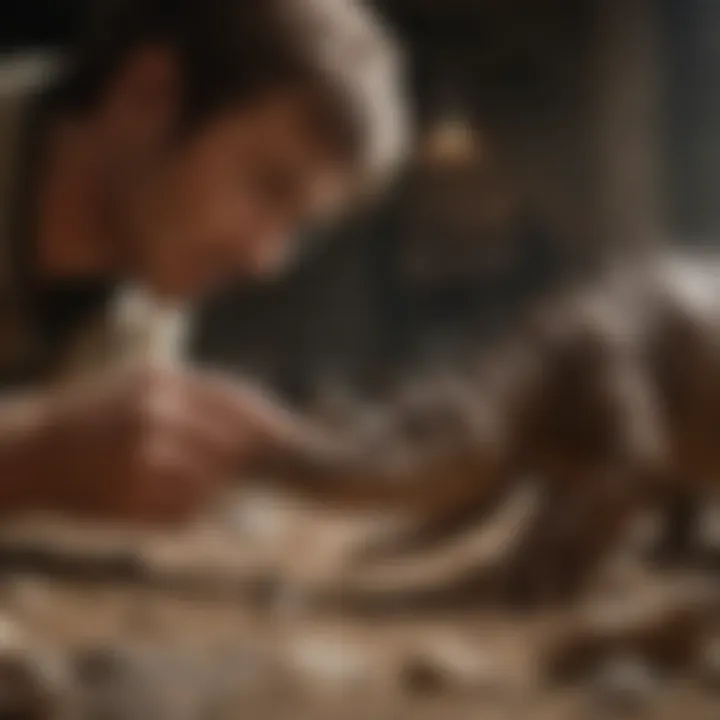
point(275, 185)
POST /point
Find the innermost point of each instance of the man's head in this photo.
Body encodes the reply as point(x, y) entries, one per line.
point(227, 125)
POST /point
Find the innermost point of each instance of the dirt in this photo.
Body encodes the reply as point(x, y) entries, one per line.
point(215, 650)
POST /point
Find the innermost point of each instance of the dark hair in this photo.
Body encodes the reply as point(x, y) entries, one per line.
point(231, 51)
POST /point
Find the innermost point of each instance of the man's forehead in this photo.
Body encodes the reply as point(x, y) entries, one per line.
point(286, 116)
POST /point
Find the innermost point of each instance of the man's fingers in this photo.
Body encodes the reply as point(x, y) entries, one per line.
point(175, 482)
point(174, 412)
point(251, 413)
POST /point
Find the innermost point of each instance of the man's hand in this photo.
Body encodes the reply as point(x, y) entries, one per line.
point(150, 445)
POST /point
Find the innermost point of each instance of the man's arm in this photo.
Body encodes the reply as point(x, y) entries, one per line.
point(148, 443)
point(313, 463)
point(23, 422)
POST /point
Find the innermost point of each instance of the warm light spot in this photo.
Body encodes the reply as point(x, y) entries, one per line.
point(450, 141)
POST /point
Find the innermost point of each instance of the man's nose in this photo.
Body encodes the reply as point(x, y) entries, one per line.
point(268, 254)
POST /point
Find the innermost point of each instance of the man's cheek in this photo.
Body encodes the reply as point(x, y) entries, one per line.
point(274, 258)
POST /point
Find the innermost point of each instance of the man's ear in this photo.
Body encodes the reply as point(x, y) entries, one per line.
point(143, 101)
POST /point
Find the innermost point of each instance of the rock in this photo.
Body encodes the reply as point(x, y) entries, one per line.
point(98, 665)
point(665, 625)
point(12, 636)
point(169, 681)
point(28, 595)
point(241, 670)
point(118, 683)
point(34, 681)
point(709, 666)
point(420, 675)
point(34, 686)
point(450, 666)
point(291, 600)
point(624, 685)
point(329, 664)
point(263, 520)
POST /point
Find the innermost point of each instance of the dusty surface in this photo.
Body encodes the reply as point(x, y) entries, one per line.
point(222, 649)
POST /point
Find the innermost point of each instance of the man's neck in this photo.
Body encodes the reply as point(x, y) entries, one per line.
point(72, 236)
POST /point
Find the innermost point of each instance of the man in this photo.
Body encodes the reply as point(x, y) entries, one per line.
point(180, 145)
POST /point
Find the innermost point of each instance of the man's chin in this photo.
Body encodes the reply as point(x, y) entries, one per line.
point(269, 270)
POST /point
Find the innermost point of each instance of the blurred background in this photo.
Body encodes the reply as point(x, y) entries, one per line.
point(549, 132)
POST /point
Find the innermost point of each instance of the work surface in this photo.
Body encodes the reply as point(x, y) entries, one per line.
point(179, 647)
